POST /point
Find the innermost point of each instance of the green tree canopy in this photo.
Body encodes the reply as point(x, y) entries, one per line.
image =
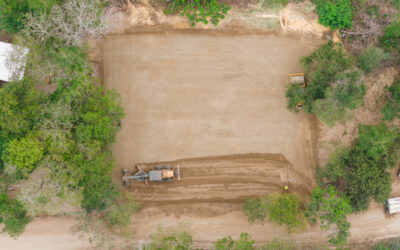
point(13, 215)
point(336, 14)
point(331, 209)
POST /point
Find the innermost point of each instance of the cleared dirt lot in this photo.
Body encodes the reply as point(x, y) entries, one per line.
point(201, 95)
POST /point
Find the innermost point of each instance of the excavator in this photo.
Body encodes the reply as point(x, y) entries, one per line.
point(159, 174)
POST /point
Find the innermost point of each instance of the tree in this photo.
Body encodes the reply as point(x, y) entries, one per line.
point(330, 208)
point(71, 23)
point(336, 14)
point(25, 153)
point(19, 106)
point(371, 59)
point(285, 209)
point(361, 172)
point(13, 215)
point(199, 10)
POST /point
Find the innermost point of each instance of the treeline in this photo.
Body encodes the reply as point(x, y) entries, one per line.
point(65, 135)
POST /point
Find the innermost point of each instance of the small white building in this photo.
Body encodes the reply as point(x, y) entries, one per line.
point(12, 61)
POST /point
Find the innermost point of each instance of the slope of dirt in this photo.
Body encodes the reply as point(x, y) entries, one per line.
point(225, 179)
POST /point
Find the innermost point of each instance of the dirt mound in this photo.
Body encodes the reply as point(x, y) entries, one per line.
point(222, 179)
point(300, 17)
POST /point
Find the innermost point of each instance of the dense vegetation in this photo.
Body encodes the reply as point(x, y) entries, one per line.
point(333, 85)
point(370, 59)
point(330, 208)
point(13, 12)
point(283, 209)
point(392, 107)
point(204, 11)
point(361, 172)
point(336, 14)
point(63, 137)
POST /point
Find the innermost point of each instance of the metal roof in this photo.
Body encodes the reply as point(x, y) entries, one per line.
point(9, 70)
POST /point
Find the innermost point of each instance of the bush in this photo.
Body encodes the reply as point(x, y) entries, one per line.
point(13, 215)
point(120, 213)
point(392, 107)
point(278, 244)
point(336, 14)
point(371, 59)
point(244, 242)
point(390, 41)
point(255, 209)
point(180, 240)
point(275, 3)
point(330, 208)
point(12, 12)
point(283, 209)
point(199, 10)
point(361, 171)
point(225, 243)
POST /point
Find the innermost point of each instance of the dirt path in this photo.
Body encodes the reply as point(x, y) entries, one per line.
point(50, 233)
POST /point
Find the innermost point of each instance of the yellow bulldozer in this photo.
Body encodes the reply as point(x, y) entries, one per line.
point(298, 79)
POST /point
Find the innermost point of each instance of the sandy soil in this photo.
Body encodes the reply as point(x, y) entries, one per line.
point(224, 179)
point(51, 233)
point(188, 95)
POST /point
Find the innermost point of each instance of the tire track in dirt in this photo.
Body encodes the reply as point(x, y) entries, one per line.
point(231, 178)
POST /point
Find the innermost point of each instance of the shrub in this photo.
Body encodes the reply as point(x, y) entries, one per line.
point(390, 41)
point(180, 240)
point(13, 215)
point(336, 14)
point(199, 10)
point(255, 209)
point(12, 12)
point(275, 3)
point(370, 59)
point(225, 243)
point(330, 208)
point(392, 107)
point(120, 213)
point(285, 209)
point(244, 242)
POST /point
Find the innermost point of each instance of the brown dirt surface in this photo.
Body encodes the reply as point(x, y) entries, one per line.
point(47, 233)
point(188, 95)
point(223, 179)
point(192, 96)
